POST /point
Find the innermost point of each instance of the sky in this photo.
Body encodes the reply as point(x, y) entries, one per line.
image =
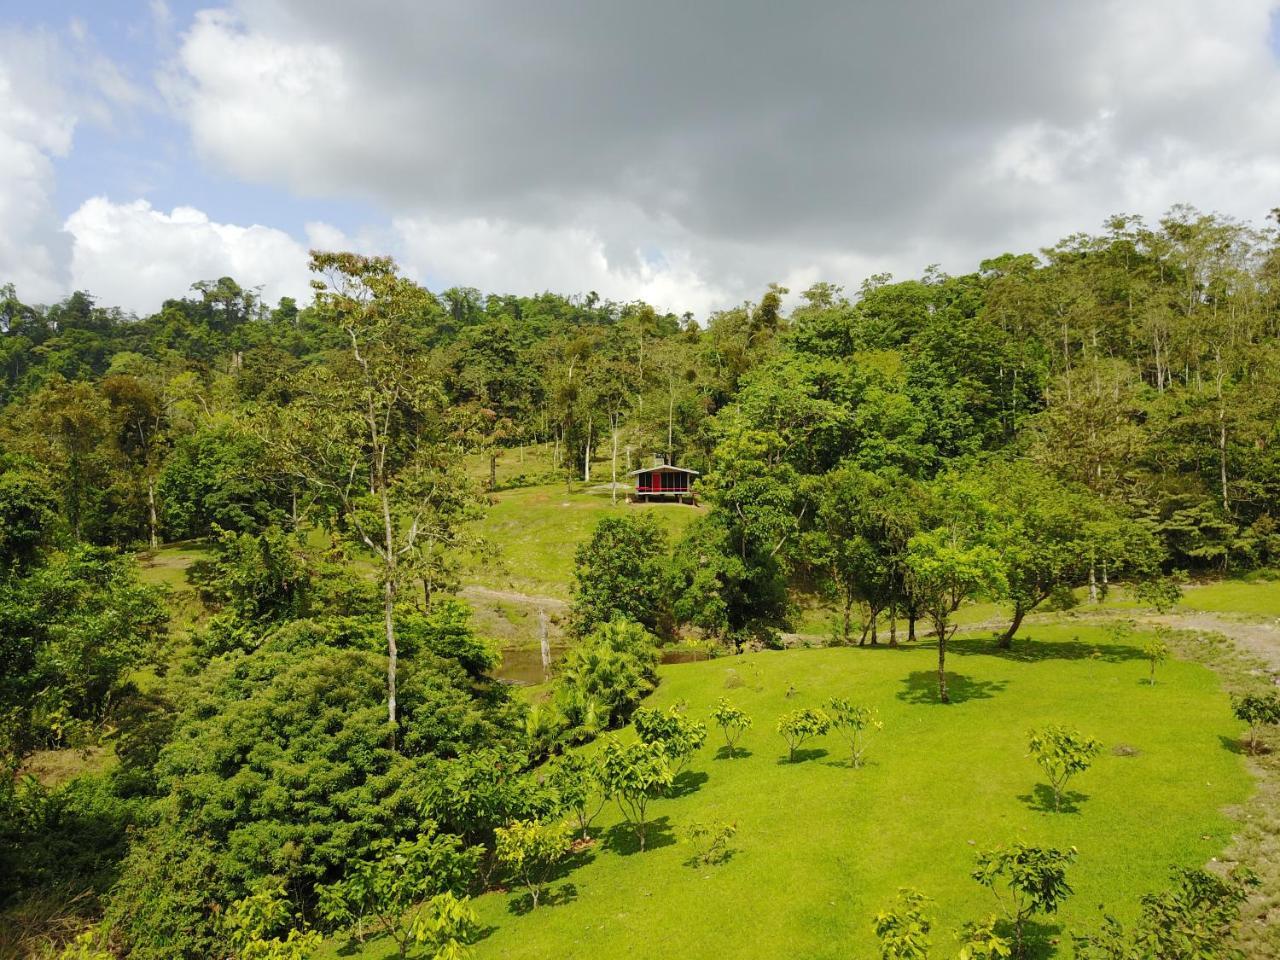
point(684, 153)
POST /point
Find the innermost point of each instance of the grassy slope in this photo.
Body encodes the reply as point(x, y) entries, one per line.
point(536, 530)
point(821, 847)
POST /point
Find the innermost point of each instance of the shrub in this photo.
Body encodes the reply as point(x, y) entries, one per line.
point(799, 726)
point(903, 928)
point(733, 723)
point(1026, 880)
point(1156, 650)
point(605, 676)
point(1193, 918)
point(855, 723)
point(1061, 754)
point(1258, 711)
point(679, 736)
point(531, 850)
point(575, 780)
point(633, 775)
point(710, 841)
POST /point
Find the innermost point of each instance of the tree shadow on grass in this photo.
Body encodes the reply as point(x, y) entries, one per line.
point(551, 897)
point(922, 687)
point(621, 837)
point(1041, 798)
point(1240, 746)
point(739, 753)
point(1029, 650)
point(813, 753)
point(721, 857)
point(1041, 939)
point(688, 782)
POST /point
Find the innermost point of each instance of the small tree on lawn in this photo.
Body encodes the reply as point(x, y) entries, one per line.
point(1025, 880)
point(903, 928)
point(1157, 652)
point(710, 841)
point(409, 889)
point(733, 722)
point(799, 726)
point(679, 736)
point(1257, 711)
point(531, 849)
point(249, 925)
point(855, 723)
point(633, 775)
point(945, 567)
point(1061, 754)
point(576, 782)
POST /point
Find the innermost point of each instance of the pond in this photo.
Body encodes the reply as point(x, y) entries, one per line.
point(523, 665)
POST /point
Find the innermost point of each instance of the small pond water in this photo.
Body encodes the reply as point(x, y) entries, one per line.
point(523, 665)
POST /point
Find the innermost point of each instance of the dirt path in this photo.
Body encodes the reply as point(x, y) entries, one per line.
point(1257, 638)
point(476, 592)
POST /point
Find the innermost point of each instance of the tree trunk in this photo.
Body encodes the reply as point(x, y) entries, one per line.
point(153, 537)
point(493, 470)
point(893, 624)
point(941, 629)
point(1093, 581)
point(911, 625)
point(388, 607)
point(846, 623)
point(613, 468)
point(875, 621)
point(1006, 639)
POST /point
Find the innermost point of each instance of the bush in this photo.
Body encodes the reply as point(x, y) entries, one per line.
point(621, 572)
point(1034, 880)
point(1193, 918)
point(733, 722)
point(799, 726)
point(604, 678)
point(531, 850)
point(1258, 711)
point(903, 928)
point(679, 736)
point(1061, 754)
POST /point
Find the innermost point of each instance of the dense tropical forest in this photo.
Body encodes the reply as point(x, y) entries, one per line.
point(253, 705)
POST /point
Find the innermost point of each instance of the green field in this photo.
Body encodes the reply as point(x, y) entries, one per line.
point(535, 531)
point(831, 844)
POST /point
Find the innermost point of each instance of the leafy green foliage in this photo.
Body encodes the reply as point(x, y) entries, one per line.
point(633, 775)
point(250, 922)
point(799, 726)
point(411, 889)
point(70, 630)
point(1192, 920)
point(903, 927)
point(1258, 711)
point(733, 723)
point(604, 677)
point(679, 736)
point(980, 940)
point(710, 841)
point(855, 722)
point(218, 478)
point(575, 781)
point(1061, 754)
point(531, 850)
point(1026, 880)
point(1156, 650)
point(621, 573)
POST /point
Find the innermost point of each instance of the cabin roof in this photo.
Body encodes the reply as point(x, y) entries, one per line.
point(662, 466)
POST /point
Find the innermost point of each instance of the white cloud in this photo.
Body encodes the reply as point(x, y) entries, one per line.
point(744, 143)
point(36, 125)
point(133, 256)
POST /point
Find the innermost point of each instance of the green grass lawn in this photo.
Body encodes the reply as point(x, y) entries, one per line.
point(821, 847)
point(1257, 599)
point(536, 530)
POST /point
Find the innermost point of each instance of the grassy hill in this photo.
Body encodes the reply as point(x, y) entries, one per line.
point(822, 846)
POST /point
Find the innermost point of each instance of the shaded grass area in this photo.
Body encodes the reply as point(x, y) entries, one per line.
point(822, 846)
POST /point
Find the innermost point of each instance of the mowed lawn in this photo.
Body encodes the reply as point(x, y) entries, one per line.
point(536, 530)
point(821, 846)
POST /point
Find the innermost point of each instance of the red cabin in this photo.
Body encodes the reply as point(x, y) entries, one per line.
point(663, 481)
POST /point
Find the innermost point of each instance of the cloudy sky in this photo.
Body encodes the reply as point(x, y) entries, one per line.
point(687, 152)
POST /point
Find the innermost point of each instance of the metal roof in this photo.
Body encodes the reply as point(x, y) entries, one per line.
point(663, 466)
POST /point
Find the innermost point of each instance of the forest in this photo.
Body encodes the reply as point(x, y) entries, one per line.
point(301, 743)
